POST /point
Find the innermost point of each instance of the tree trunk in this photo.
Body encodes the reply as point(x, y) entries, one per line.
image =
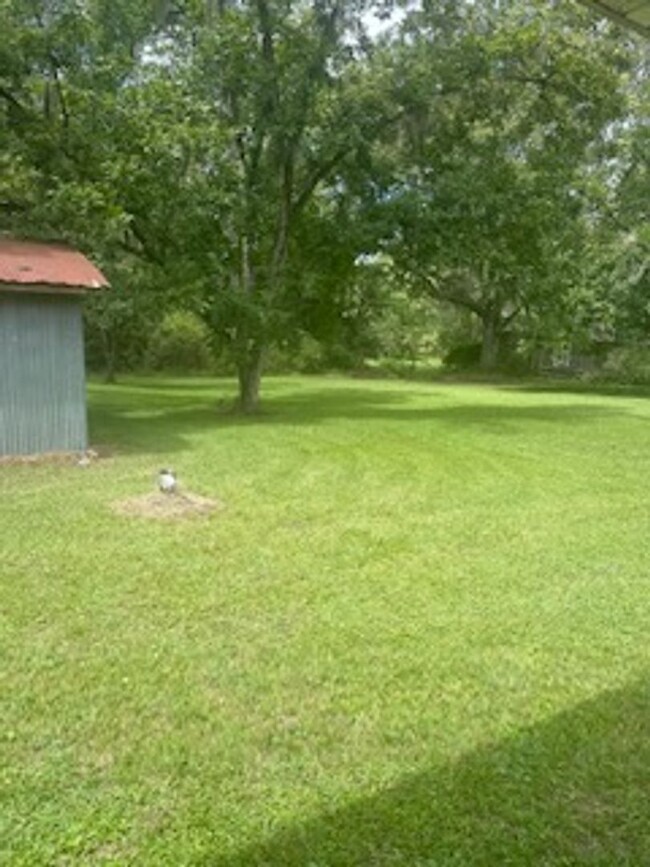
point(110, 373)
point(249, 372)
point(110, 353)
point(491, 342)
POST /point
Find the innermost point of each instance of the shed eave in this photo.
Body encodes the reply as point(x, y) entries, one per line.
point(45, 289)
point(34, 263)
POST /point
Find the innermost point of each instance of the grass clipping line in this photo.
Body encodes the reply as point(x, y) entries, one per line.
point(166, 507)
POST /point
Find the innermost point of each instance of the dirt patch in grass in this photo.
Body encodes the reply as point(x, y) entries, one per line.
point(82, 459)
point(36, 460)
point(166, 507)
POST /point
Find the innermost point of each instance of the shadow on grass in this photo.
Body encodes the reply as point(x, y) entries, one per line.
point(161, 418)
point(307, 406)
point(573, 386)
point(511, 382)
point(572, 790)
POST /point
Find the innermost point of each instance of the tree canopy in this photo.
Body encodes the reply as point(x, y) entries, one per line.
point(245, 157)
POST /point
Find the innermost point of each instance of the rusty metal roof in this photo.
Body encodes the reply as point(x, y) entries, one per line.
point(630, 13)
point(33, 263)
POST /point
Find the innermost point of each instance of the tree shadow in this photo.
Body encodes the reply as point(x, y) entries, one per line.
point(571, 790)
point(573, 386)
point(162, 418)
point(356, 403)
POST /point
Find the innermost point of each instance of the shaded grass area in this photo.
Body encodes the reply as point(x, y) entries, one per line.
point(571, 790)
point(417, 633)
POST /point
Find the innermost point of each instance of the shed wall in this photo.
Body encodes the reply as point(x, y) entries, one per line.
point(42, 377)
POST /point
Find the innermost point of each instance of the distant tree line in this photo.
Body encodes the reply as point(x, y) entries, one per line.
point(270, 183)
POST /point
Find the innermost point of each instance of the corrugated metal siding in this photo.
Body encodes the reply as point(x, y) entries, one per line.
point(42, 378)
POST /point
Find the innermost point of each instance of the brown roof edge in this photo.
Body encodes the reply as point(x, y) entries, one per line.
point(33, 264)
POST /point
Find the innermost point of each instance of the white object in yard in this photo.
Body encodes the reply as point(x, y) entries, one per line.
point(86, 458)
point(167, 481)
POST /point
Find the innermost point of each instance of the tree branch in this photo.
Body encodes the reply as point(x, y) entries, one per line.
point(55, 66)
point(319, 175)
point(12, 100)
point(453, 296)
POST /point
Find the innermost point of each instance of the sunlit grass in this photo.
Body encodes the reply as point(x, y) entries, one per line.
point(416, 635)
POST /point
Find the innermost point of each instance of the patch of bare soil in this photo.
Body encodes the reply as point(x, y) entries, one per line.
point(80, 459)
point(170, 507)
point(63, 458)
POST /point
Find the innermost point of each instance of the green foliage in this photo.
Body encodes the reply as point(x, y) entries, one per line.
point(310, 357)
point(115, 332)
point(181, 343)
point(252, 153)
point(119, 322)
point(396, 323)
point(279, 81)
point(488, 200)
point(628, 365)
point(464, 356)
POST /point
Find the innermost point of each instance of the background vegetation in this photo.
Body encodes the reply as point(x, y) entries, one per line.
point(470, 183)
point(416, 634)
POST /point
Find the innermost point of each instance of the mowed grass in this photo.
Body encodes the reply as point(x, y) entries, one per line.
point(418, 633)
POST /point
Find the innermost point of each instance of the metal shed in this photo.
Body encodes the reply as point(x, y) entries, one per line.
point(42, 374)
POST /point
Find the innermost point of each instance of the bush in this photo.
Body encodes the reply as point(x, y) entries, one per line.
point(424, 369)
point(310, 356)
point(464, 357)
point(630, 365)
point(117, 325)
point(181, 344)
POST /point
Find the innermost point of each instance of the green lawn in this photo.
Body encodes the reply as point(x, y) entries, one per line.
point(418, 634)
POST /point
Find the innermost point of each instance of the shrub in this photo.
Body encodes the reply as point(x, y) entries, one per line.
point(181, 343)
point(463, 357)
point(310, 357)
point(629, 365)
